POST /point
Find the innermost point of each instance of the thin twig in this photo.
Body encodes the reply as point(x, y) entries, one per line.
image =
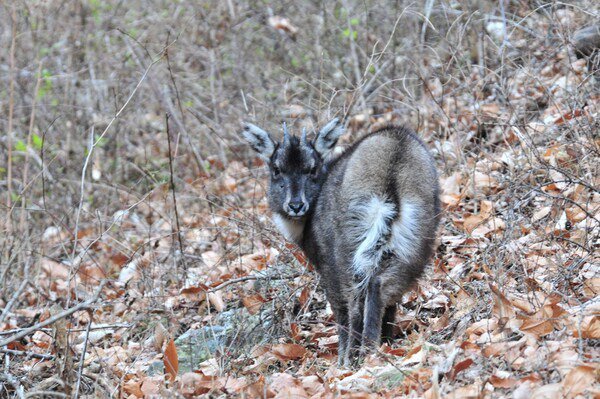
point(426, 22)
point(42, 161)
point(362, 86)
point(73, 271)
point(29, 135)
point(356, 62)
point(12, 380)
point(18, 292)
point(27, 354)
point(251, 277)
point(74, 330)
point(85, 344)
point(177, 96)
point(11, 107)
point(166, 102)
point(95, 142)
point(172, 183)
point(43, 394)
point(53, 319)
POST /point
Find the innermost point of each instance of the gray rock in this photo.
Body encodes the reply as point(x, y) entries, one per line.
point(156, 368)
point(197, 345)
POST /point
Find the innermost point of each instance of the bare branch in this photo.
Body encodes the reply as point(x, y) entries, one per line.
point(81, 306)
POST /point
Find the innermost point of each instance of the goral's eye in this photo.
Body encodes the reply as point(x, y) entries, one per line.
point(314, 171)
point(276, 171)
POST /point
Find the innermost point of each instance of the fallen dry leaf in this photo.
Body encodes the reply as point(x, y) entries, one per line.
point(216, 299)
point(541, 213)
point(588, 327)
point(568, 116)
point(133, 387)
point(171, 360)
point(295, 331)
point(304, 295)
point(578, 380)
point(536, 326)
point(150, 388)
point(471, 391)
point(192, 384)
point(500, 382)
point(550, 391)
point(282, 381)
point(160, 335)
point(502, 306)
point(255, 261)
point(283, 24)
point(415, 355)
point(460, 366)
point(450, 186)
point(288, 351)
point(253, 303)
point(591, 287)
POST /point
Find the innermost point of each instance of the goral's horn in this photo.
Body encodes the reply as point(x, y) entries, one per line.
point(304, 136)
point(286, 135)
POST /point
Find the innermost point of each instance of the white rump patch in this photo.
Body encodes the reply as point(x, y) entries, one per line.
point(375, 234)
point(405, 232)
point(370, 229)
point(292, 230)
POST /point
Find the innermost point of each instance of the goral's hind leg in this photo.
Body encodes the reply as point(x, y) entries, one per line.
point(356, 329)
point(343, 327)
point(373, 316)
point(387, 326)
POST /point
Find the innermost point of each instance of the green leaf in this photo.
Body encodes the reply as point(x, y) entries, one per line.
point(350, 33)
point(47, 86)
point(354, 21)
point(133, 32)
point(20, 146)
point(37, 141)
point(99, 140)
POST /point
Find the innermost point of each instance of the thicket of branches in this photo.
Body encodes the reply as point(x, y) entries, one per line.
point(132, 213)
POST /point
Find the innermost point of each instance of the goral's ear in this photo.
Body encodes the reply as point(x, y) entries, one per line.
point(328, 137)
point(260, 140)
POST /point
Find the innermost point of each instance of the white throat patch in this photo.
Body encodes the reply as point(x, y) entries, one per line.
point(292, 230)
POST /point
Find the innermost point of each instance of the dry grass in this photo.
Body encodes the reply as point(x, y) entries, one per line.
point(95, 186)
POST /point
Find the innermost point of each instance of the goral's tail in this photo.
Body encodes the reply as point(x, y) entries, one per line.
point(370, 229)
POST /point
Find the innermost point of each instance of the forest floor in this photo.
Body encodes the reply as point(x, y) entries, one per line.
point(138, 258)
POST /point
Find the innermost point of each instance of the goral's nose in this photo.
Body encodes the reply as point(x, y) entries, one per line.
point(296, 206)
